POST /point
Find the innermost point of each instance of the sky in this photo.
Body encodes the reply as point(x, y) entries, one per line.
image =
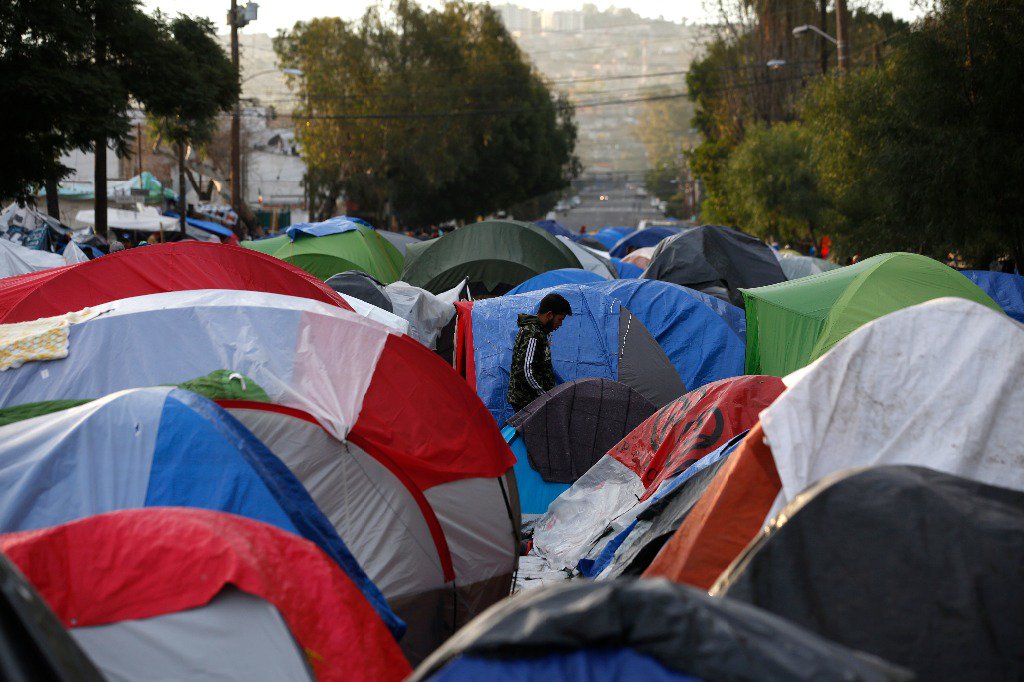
point(278, 14)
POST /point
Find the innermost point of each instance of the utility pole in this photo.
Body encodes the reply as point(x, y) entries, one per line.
point(236, 193)
point(182, 189)
point(823, 15)
point(842, 43)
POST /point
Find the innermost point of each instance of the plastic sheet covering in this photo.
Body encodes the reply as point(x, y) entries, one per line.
point(580, 514)
point(937, 385)
point(372, 312)
point(644, 512)
point(426, 313)
point(633, 471)
point(275, 342)
point(16, 259)
point(700, 344)
point(682, 628)
point(586, 346)
point(917, 566)
point(72, 254)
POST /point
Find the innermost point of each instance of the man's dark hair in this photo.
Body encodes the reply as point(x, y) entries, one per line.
point(554, 303)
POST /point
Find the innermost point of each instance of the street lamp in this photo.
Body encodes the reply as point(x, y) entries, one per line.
point(237, 17)
point(800, 30)
point(839, 41)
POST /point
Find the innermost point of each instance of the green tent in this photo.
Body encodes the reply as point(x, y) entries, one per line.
point(355, 249)
point(791, 324)
point(495, 255)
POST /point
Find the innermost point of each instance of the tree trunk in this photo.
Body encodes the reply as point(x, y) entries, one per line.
point(52, 197)
point(100, 189)
point(182, 189)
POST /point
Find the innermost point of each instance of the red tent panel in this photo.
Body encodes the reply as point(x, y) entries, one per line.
point(142, 563)
point(180, 266)
point(725, 520)
point(694, 425)
point(419, 414)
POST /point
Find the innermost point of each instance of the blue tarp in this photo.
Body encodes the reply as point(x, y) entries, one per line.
point(555, 228)
point(553, 278)
point(638, 239)
point(581, 664)
point(591, 568)
point(535, 494)
point(587, 345)
point(1005, 288)
point(626, 270)
point(700, 344)
point(208, 226)
point(610, 236)
point(333, 226)
point(182, 451)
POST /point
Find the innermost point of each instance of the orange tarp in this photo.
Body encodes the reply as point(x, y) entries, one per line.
point(725, 520)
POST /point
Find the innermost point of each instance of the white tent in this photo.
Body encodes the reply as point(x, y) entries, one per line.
point(16, 259)
point(591, 260)
point(73, 254)
point(146, 219)
point(935, 385)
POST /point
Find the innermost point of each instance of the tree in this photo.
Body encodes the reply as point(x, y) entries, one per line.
point(773, 184)
point(925, 154)
point(425, 114)
point(55, 93)
point(201, 82)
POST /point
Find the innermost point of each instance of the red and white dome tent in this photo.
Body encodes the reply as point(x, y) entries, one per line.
point(166, 592)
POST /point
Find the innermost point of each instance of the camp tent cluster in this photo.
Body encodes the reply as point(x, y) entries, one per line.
point(295, 459)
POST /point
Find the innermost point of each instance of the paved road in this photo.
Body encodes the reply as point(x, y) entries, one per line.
point(621, 208)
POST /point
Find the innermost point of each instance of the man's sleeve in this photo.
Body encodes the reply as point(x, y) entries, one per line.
point(530, 358)
point(542, 372)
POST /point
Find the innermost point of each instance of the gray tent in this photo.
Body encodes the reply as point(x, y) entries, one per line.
point(716, 260)
point(363, 286)
point(34, 644)
point(572, 426)
point(399, 240)
point(641, 629)
point(923, 568)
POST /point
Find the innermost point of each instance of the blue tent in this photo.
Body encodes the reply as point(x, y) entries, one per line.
point(205, 225)
point(590, 344)
point(535, 494)
point(553, 278)
point(555, 228)
point(701, 345)
point(157, 447)
point(1005, 288)
point(626, 270)
point(610, 236)
point(640, 238)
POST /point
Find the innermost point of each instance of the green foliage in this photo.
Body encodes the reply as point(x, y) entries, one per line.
point(926, 153)
point(772, 184)
point(433, 114)
point(198, 81)
point(73, 70)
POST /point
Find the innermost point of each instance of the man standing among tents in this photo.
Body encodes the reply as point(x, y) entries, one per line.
point(531, 373)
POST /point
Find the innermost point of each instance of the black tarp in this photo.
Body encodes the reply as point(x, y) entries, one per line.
point(573, 425)
point(659, 522)
point(643, 364)
point(681, 627)
point(919, 567)
point(363, 286)
point(33, 643)
point(717, 260)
